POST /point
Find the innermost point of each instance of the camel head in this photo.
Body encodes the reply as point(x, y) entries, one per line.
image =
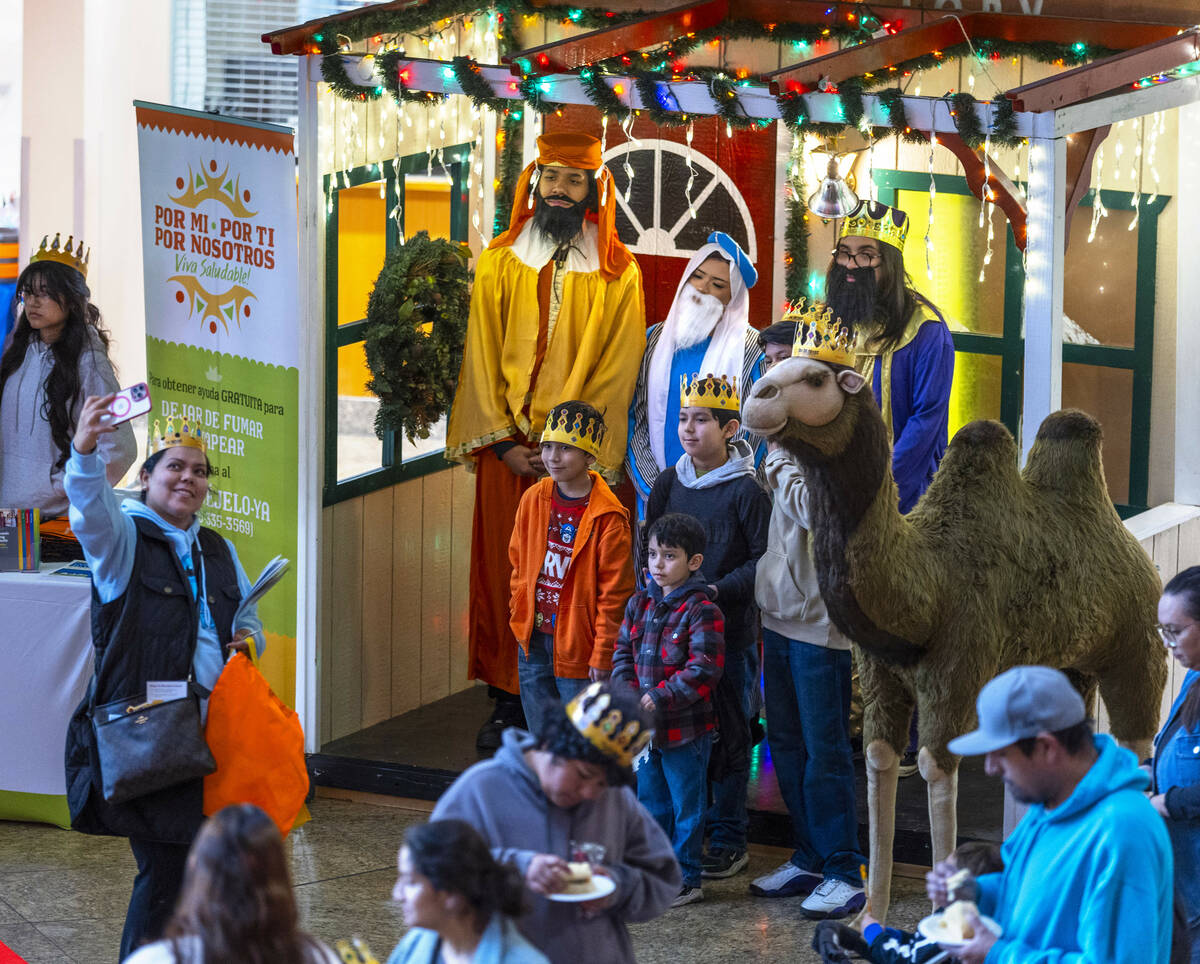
point(802, 403)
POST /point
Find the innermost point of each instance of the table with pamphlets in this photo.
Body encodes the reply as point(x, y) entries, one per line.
point(45, 665)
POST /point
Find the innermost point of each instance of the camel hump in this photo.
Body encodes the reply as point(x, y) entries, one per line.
point(1065, 456)
point(1070, 425)
point(983, 433)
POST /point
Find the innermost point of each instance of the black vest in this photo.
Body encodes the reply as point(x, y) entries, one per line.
point(147, 633)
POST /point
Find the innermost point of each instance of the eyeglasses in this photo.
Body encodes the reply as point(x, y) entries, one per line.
point(25, 296)
point(865, 258)
point(1170, 634)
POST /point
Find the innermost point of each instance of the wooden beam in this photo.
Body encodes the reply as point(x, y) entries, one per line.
point(1042, 390)
point(1101, 76)
point(1081, 153)
point(1000, 189)
point(563, 56)
point(881, 53)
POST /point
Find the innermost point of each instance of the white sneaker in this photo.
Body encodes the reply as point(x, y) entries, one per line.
point(787, 880)
point(833, 898)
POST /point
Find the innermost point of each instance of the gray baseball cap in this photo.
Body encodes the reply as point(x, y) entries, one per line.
point(1023, 701)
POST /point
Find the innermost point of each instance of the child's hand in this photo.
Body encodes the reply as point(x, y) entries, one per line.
point(593, 908)
point(648, 703)
point(598, 675)
point(547, 874)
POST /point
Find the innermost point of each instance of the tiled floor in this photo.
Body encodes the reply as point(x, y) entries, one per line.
point(63, 895)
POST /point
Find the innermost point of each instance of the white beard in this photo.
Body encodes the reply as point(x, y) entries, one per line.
point(696, 317)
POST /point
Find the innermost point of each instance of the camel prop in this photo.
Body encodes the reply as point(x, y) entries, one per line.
point(993, 568)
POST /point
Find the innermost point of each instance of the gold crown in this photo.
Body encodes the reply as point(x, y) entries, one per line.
point(72, 259)
point(819, 336)
point(605, 727)
point(160, 440)
point(560, 427)
point(709, 391)
point(874, 220)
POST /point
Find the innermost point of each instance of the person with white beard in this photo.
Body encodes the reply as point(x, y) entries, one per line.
point(706, 331)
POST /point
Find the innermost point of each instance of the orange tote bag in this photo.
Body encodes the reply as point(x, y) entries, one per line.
point(258, 744)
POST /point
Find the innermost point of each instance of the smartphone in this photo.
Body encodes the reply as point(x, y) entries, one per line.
point(129, 403)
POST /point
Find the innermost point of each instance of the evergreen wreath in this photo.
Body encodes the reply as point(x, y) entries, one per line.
point(417, 323)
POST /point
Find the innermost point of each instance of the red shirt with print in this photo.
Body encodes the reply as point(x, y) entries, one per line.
point(565, 514)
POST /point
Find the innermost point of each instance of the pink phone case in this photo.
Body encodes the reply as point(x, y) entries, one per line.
point(129, 403)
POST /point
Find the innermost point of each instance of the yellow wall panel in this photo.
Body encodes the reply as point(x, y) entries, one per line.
point(345, 696)
point(435, 586)
point(407, 535)
point(362, 216)
point(377, 607)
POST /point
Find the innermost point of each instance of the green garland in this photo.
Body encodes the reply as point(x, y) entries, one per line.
point(601, 95)
point(333, 72)
point(795, 245)
point(508, 170)
point(417, 323)
point(966, 120)
point(1004, 122)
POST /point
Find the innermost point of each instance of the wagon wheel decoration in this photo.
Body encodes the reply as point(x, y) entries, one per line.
point(657, 219)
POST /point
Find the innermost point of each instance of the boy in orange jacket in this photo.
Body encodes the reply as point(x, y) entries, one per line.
point(572, 560)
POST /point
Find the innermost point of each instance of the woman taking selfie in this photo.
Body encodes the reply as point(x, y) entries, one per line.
point(57, 356)
point(165, 591)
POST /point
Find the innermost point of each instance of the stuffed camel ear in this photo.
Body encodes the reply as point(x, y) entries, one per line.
point(850, 381)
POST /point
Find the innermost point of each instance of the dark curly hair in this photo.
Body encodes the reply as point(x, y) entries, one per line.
point(237, 894)
point(561, 739)
point(456, 859)
point(63, 390)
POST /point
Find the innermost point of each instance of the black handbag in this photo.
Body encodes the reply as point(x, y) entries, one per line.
point(145, 747)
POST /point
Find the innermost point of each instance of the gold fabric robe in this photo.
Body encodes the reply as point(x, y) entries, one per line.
point(593, 350)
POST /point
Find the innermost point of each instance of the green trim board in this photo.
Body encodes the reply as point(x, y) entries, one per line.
point(35, 807)
point(393, 467)
point(1010, 344)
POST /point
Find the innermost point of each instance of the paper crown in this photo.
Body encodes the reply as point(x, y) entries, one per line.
point(819, 336)
point(709, 391)
point(561, 426)
point(605, 727)
point(874, 220)
point(72, 259)
point(160, 440)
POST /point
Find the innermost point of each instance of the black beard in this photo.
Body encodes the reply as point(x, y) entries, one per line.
point(852, 302)
point(559, 224)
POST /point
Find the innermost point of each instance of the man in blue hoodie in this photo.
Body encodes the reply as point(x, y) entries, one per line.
point(1088, 872)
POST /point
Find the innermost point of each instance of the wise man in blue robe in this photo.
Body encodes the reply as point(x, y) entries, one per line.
point(906, 350)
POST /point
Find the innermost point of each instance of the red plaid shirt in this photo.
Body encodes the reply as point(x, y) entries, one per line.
point(673, 649)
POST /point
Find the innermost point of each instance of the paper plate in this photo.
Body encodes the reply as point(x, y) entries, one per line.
point(601, 887)
point(934, 927)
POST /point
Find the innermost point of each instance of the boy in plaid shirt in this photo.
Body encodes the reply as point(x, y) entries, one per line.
point(671, 648)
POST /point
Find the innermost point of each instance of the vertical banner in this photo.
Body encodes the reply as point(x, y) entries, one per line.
point(222, 344)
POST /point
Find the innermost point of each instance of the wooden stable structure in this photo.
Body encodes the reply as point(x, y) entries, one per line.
point(384, 588)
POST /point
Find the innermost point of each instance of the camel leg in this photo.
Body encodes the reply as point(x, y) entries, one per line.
point(943, 800)
point(883, 776)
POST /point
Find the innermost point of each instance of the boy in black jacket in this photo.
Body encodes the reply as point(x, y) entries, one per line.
point(714, 481)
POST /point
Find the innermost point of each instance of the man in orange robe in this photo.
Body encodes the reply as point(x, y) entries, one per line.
point(556, 314)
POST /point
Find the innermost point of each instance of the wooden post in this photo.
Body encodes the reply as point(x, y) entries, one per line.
point(1044, 285)
point(1187, 331)
point(311, 425)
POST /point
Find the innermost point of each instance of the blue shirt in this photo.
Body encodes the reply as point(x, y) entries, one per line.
point(1090, 880)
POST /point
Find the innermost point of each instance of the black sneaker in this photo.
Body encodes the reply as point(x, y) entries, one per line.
point(506, 713)
point(687, 895)
point(722, 862)
point(908, 764)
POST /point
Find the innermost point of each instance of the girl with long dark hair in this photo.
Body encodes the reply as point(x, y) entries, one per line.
point(56, 357)
point(457, 900)
point(1175, 769)
point(237, 902)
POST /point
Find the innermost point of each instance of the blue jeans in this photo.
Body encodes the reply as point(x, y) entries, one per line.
point(808, 730)
point(727, 817)
point(541, 690)
point(673, 786)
